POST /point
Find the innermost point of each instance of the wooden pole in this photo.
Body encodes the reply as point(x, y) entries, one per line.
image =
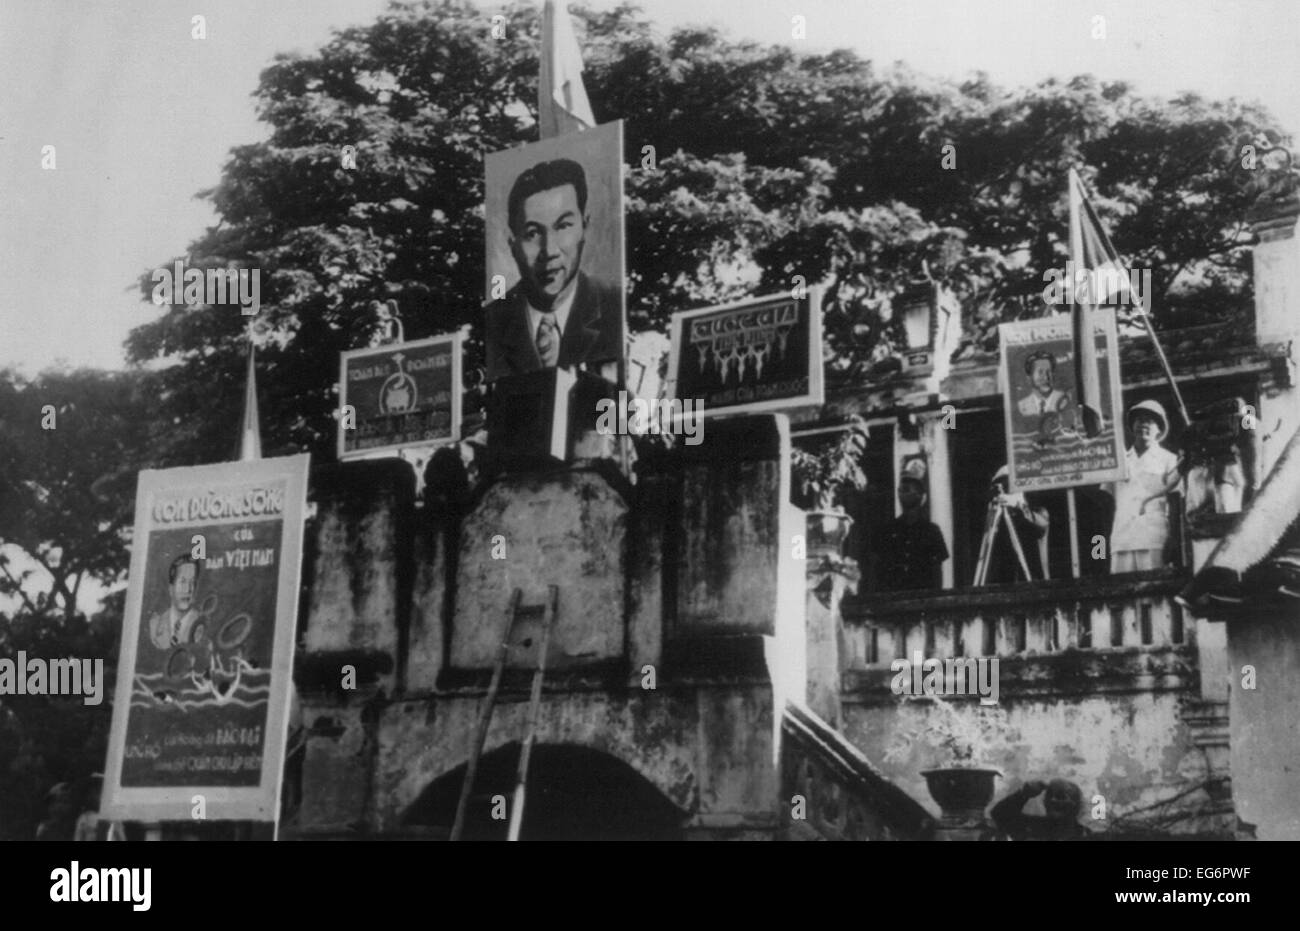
point(534, 709)
point(484, 721)
point(1074, 533)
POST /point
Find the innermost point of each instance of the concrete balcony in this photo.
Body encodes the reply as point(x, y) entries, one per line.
point(1104, 682)
point(1123, 632)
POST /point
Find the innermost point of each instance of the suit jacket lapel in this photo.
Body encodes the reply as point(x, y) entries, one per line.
point(581, 331)
point(519, 348)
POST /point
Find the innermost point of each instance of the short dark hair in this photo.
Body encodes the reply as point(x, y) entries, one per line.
point(1068, 792)
point(1034, 357)
point(543, 177)
point(179, 561)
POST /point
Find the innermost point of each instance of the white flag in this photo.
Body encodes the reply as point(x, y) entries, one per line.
point(562, 105)
point(250, 436)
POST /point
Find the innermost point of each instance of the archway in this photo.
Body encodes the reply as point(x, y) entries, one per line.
point(574, 793)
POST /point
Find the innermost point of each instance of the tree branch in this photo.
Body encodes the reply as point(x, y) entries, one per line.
point(4, 565)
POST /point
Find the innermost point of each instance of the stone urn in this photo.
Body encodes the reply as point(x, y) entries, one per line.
point(826, 531)
point(962, 792)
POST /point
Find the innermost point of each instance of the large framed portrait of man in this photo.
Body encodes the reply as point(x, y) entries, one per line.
point(1047, 445)
point(200, 716)
point(554, 223)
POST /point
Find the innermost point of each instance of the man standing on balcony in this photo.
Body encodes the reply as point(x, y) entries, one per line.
point(1141, 530)
point(910, 550)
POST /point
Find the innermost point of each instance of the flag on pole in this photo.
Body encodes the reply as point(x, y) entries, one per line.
point(562, 105)
point(1094, 260)
point(250, 435)
point(1097, 267)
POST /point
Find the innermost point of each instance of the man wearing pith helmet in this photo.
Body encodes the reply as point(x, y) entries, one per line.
point(1141, 527)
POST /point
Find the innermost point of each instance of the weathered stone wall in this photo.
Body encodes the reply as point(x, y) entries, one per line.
point(1101, 684)
point(669, 597)
point(1134, 750)
point(1266, 722)
point(530, 531)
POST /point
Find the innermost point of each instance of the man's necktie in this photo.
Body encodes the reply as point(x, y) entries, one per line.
point(548, 340)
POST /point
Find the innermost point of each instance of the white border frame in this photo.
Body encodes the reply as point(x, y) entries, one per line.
point(222, 803)
point(816, 387)
point(457, 341)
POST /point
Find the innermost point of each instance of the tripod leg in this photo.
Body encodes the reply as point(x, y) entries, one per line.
point(986, 546)
point(1015, 545)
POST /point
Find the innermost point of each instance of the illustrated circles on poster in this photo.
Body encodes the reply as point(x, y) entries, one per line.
point(235, 631)
point(180, 663)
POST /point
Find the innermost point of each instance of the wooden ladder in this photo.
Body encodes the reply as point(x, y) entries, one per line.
point(534, 708)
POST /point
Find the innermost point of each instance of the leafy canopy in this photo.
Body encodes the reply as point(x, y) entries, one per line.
point(767, 164)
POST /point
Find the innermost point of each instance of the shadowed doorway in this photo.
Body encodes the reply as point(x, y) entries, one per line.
point(573, 794)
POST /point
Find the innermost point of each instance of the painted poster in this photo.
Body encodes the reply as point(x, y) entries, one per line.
point(206, 660)
point(554, 219)
point(1047, 446)
point(755, 355)
point(402, 394)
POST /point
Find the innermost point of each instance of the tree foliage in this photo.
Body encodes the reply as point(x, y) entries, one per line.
point(71, 443)
point(767, 164)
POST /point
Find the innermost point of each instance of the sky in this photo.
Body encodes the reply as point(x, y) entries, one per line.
point(142, 116)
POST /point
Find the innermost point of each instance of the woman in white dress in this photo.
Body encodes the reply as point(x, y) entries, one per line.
point(1141, 530)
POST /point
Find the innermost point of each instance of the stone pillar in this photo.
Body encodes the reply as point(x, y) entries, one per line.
point(1277, 321)
point(934, 442)
point(656, 501)
point(436, 549)
point(829, 577)
point(357, 606)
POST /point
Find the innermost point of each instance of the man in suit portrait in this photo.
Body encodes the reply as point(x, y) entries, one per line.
point(556, 315)
point(1044, 397)
point(172, 626)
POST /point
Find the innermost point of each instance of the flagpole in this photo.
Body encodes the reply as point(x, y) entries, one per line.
point(1087, 378)
point(1164, 364)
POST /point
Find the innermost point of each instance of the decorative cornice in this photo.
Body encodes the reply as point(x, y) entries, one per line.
point(1274, 219)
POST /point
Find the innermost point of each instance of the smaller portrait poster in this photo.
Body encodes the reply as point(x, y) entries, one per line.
point(554, 227)
point(760, 354)
point(402, 394)
point(1047, 445)
point(206, 660)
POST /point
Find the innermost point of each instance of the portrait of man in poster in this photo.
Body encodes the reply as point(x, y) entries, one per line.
point(555, 254)
point(173, 625)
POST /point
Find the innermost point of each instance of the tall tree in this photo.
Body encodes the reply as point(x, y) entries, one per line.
point(748, 165)
point(71, 443)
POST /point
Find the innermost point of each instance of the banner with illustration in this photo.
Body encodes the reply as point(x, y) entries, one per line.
point(204, 672)
point(754, 355)
point(1047, 445)
point(399, 395)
